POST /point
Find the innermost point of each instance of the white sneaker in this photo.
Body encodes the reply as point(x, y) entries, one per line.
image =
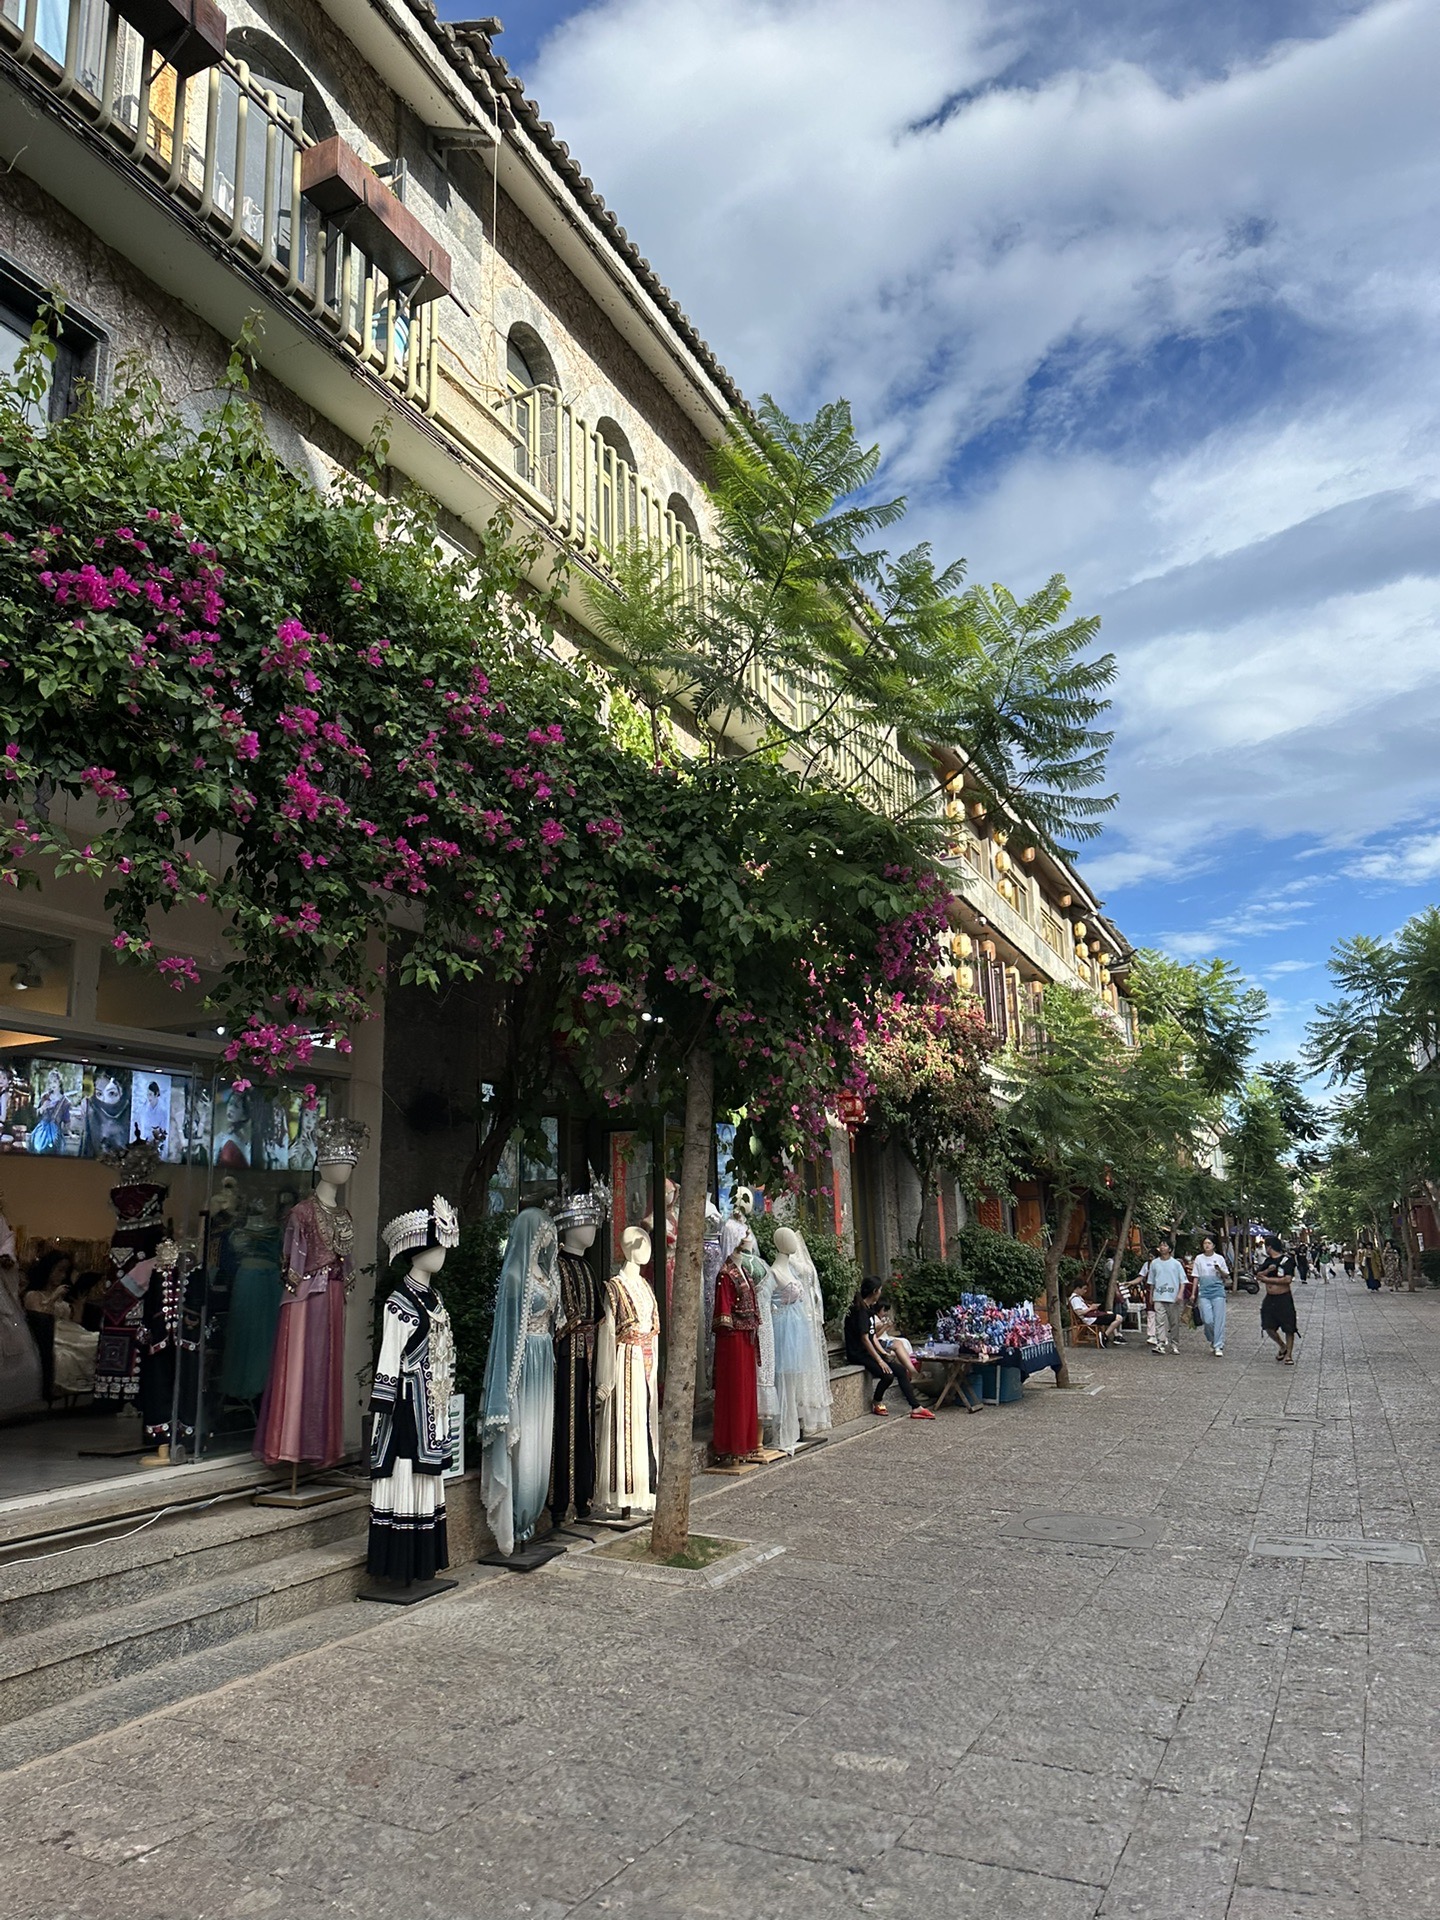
point(1174, 1348)
point(1219, 1353)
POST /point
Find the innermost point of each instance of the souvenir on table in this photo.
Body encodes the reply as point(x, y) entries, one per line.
point(578, 1218)
point(737, 1352)
point(139, 1202)
point(410, 1441)
point(627, 1407)
point(517, 1419)
point(302, 1415)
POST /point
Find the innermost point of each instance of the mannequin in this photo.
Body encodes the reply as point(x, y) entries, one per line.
point(710, 1260)
point(138, 1201)
point(19, 1359)
point(627, 1405)
point(250, 1264)
point(171, 1314)
point(802, 1361)
point(737, 1353)
point(410, 1441)
point(578, 1218)
point(748, 1257)
point(302, 1413)
point(517, 1421)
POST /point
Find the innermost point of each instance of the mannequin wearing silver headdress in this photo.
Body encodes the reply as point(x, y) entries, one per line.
point(302, 1416)
point(410, 1441)
point(578, 1218)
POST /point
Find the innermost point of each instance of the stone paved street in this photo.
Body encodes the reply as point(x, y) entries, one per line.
point(905, 1714)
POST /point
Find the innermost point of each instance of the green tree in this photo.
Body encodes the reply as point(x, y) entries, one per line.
point(1062, 1120)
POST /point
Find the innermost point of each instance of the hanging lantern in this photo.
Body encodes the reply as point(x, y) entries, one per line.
point(1064, 900)
point(1079, 931)
point(1027, 854)
point(964, 945)
point(851, 1109)
point(987, 947)
point(1094, 946)
point(1002, 860)
point(966, 977)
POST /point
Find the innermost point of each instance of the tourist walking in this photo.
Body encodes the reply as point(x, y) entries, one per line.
point(1277, 1309)
point(1390, 1266)
point(1167, 1283)
point(1211, 1274)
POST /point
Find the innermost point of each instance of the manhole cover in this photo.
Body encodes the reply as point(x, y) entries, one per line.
point(1083, 1529)
point(1298, 1546)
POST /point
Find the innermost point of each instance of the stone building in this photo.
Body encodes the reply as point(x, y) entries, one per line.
point(412, 251)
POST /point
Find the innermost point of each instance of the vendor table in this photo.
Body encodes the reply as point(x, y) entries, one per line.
point(1034, 1358)
point(957, 1367)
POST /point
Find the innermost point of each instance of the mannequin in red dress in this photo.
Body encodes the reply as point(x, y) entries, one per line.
point(737, 1356)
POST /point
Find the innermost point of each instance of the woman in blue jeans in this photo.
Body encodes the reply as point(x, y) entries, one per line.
point(1211, 1272)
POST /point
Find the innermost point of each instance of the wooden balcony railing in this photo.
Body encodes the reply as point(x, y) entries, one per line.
point(222, 145)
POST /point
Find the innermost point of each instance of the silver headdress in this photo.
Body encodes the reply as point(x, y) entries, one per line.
point(138, 1161)
point(585, 1209)
point(410, 1230)
point(339, 1141)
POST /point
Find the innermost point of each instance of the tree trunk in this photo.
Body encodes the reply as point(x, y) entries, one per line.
point(1411, 1251)
point(1054, 1254)
point(671, 1529)
point(1122, 1240)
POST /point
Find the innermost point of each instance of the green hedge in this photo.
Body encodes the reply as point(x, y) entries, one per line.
point(921, 1290)
point(1430, 1265)
point(1010, 1271)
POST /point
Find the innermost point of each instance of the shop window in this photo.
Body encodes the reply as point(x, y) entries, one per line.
point(77, 343)
point(35, 971)
point(129, 995)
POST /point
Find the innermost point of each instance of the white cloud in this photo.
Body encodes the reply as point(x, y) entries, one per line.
point(1413, 861)
point(1266, 568)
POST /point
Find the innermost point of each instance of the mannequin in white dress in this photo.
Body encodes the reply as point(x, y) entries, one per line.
point(627, 1407)
point(794, 1267)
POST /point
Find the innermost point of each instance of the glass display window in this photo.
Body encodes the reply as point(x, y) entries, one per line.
point(35, 972)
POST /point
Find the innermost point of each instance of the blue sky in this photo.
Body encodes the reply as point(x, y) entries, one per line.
point(1143, 293)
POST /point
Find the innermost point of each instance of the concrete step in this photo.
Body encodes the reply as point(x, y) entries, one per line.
point(54, 1729)
point(56, 1582)
point(56, 1663)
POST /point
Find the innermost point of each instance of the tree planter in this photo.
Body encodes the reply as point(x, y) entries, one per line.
point(337, 182)
point(188, 34)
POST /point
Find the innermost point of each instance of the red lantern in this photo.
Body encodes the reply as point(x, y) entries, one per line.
point(851, 1109)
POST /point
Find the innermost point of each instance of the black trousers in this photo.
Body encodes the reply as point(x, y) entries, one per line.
point(897, 1377)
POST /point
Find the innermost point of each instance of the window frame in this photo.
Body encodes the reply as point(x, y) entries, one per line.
point(81, 343)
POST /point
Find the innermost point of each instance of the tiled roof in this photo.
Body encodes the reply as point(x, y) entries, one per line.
point(474, 57)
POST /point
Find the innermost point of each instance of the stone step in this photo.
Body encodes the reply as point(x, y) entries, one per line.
point(57, 1663)
point(88, 1715)
point(56, 1582)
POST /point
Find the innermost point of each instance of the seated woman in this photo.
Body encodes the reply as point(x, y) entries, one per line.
point(1106, 1325)
point(51, 1291)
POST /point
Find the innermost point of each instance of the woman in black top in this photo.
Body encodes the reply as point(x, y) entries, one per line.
point(862, 1349)
point(1276, 1274)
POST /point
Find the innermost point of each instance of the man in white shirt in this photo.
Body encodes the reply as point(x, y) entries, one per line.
point(1167, 1283)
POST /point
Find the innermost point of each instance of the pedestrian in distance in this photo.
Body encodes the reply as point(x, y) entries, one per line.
point(1390, 1266)
point(1167, 1284)
point(1302, 1264)
point(1277, 1309)
point(1212, 1275)
point(863, 1349)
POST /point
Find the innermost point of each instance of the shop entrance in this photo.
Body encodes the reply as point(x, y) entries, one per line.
point(144, 1202)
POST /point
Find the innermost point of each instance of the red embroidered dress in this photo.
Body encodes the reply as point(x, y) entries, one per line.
point(737, 1358)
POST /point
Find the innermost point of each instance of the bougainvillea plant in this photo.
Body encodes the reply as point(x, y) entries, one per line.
point(221, 685)
point(928, 1088)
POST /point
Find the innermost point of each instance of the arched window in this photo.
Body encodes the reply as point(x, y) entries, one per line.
point(274, 68)
point(610, 433)
point(527, 363)
point(683, 514)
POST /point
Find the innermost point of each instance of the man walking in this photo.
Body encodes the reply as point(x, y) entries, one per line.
point(1277, 1310)
point(1167, 1283)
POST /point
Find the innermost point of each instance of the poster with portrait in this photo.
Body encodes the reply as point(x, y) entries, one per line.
point(629, 1176)
point(150, 1112)
point(234, 1127)
point(17, 1108)
point(191, 1113)
point(57, 1107)
point(287, 1129)
point(107, 1110)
